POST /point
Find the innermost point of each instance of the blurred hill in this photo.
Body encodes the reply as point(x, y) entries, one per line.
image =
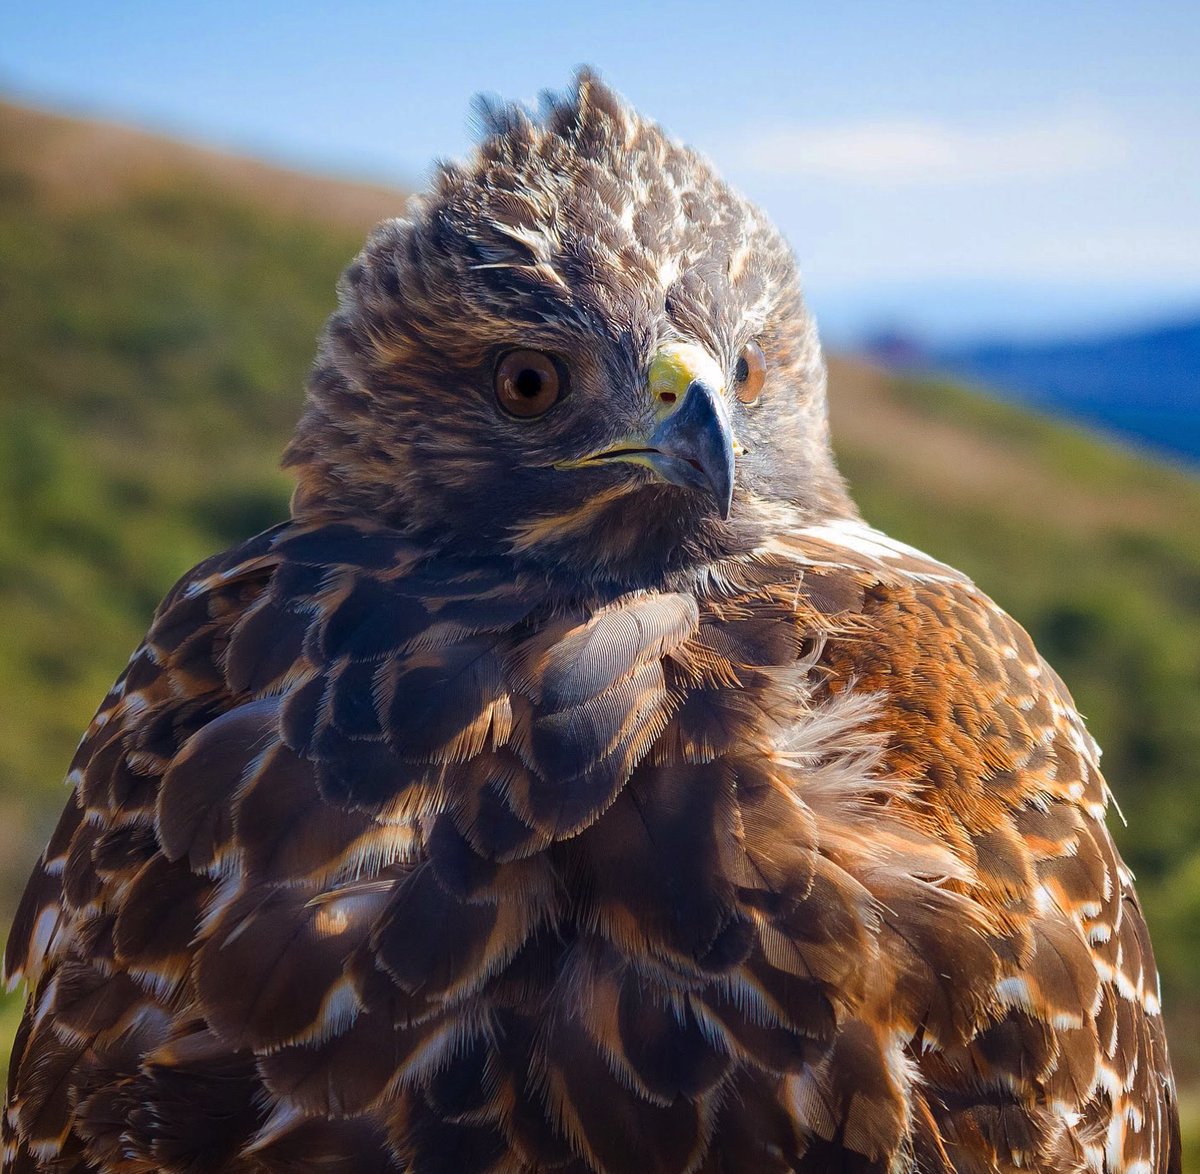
point(158, 309)
point(1141, 384)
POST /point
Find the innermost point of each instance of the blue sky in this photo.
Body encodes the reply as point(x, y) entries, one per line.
point(948, 167)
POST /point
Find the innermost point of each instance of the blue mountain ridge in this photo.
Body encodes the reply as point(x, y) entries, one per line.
point(1143, 385)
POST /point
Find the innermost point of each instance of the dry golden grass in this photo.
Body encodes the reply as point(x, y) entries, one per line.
point(77, 163)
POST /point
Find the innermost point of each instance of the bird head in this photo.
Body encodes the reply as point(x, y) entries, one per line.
point(580, 349)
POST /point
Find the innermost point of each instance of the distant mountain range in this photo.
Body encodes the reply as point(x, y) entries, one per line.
point(1143, 385)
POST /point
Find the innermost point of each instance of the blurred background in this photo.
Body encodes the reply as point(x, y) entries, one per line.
point(996, 207)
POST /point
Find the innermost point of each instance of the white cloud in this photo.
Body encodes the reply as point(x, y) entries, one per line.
point(911, 152)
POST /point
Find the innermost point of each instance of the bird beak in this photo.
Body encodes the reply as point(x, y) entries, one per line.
point(691, 439)
point(693, 442)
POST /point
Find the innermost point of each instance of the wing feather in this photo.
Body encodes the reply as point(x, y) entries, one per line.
point(379, 858)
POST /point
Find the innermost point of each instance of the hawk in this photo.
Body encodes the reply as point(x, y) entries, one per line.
point(575, 782)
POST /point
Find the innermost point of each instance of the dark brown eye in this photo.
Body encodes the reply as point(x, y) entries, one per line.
point(528, 383)
point(750, 373)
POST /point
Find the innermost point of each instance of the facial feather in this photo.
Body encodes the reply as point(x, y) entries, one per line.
point(593, 236)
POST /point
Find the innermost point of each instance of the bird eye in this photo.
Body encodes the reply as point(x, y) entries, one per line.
point(529, 383)
point(750, 373)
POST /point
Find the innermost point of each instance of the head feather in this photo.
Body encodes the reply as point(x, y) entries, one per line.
point(586, 231)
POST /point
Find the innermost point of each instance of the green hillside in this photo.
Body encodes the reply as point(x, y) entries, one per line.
point(158, 307)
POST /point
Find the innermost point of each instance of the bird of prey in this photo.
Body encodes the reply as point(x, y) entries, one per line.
point(575, 782)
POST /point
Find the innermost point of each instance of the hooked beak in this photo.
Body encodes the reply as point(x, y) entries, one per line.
point(694, 445)
point(691, 442)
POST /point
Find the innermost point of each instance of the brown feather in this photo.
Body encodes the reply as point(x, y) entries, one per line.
point(511, 809)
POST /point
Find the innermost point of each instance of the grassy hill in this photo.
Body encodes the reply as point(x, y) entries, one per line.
point(158, 306)
point(1143, 384)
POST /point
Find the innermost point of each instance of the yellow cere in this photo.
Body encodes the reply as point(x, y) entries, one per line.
point(675, 368)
